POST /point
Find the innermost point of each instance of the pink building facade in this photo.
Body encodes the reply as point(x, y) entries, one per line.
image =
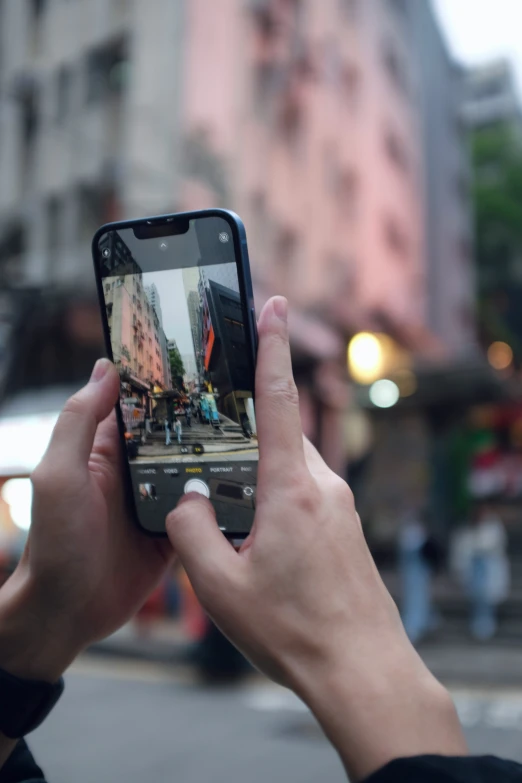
point(305, 115)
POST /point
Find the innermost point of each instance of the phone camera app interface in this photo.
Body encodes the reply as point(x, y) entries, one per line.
point(176, 321)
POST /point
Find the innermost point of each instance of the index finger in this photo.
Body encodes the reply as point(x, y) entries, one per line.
point(277, 403)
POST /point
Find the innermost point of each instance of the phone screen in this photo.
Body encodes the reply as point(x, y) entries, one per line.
point(176, 312)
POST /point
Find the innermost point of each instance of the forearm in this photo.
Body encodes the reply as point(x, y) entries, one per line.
point(29, 649)
point(385, 706)
point(34, 645)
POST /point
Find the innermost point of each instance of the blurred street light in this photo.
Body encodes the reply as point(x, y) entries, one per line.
point(500, 356)
point(365, 357)
point(372, 356)
point(384, 394)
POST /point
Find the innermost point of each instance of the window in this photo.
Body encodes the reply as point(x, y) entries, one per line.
point(91, 208)
point(63, 94)
point(54, 228)
point(330, 167)
point(465, 251)
point(347, 192)
point(350, 84)
point(399, 6)
point(396, 151)
point(37, 10)
point(396, 239)
point(332, 63)
point(286, 256)
point(27, 98)
point(395, 67)
point(349, 9)
point(107, 71)
point(12, 246)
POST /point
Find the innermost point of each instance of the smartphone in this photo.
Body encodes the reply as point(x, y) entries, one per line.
point(178, 316)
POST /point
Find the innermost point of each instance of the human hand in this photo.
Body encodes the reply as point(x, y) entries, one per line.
point(302, 598)
point(86, 568)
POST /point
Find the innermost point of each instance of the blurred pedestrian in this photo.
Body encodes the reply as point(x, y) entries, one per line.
point(179, 430)
point(188, 415)
point(167, 432)
point(416, 560)
point(486, 570)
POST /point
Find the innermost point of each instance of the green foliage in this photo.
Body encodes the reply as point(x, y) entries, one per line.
point(176, 363)
point(497, 160)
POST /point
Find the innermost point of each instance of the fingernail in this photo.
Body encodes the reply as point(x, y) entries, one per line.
point(281, 308)
point(99, 370)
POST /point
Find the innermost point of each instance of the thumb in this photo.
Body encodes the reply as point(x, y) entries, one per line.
point(73, 436)
point(203, 550)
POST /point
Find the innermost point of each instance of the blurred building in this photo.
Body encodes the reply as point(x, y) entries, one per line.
point(492, 98)
point(309, 119)
point(191, 371)
point(447, 182)
point(226, 355)
point(154, 299)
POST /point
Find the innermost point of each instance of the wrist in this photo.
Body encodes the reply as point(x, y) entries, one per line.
point(34, 644)
point(382, 706)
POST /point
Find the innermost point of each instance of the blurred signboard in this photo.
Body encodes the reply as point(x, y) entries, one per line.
point(495, 462)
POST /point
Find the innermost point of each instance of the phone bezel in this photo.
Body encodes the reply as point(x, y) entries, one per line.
point(247, 296)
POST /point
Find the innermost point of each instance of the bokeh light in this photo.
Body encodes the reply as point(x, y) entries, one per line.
point(384, 394)
point(365, 357)
point(500, 356)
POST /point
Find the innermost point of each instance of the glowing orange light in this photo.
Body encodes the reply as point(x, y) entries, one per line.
point(500, 356)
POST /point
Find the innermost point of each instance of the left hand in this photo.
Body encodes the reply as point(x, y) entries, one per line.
point(86, 568)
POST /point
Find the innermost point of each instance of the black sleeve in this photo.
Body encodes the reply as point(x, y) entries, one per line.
point(21, 767)
point(439, 769)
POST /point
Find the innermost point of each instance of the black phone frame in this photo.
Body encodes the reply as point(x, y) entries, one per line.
point(238, 233)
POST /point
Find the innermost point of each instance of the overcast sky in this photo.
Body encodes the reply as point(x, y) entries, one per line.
point(174, 311)
point(478, 30)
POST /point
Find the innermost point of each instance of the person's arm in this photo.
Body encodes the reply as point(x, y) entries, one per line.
point(86, 568)
point(303, 599)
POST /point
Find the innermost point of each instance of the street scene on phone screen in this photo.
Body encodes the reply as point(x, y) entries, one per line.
point(178, 342)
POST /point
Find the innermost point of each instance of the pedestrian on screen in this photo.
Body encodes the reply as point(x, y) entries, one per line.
point(167, 432)
point(179, 430)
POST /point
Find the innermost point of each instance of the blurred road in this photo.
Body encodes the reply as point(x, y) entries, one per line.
point(136, 722)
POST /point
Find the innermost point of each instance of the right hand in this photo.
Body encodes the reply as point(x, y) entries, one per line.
point(302, 599)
